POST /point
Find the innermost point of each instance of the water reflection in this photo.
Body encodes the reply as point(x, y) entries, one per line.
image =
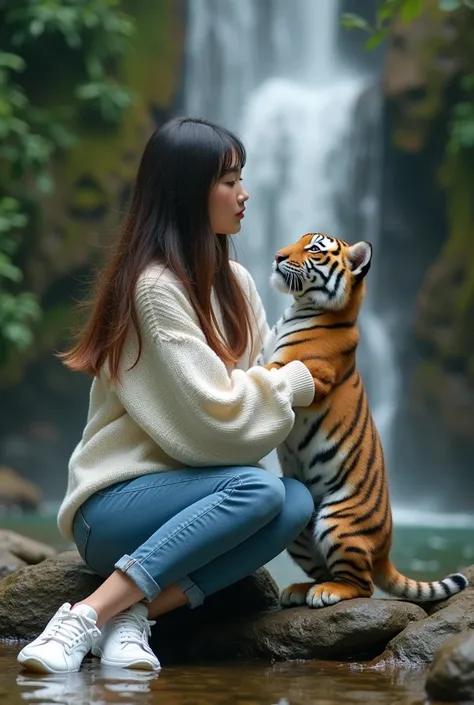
point(292, 683)
point(91, 686)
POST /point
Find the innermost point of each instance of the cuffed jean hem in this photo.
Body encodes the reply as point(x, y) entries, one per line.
point(141, 577)
point(194, 594)
point(144, 582)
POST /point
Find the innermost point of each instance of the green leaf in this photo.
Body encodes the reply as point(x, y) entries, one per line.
point(411, 10)
point(11, 61)
point(8, 270)
point(376, 39)
point(352, 21)
point(18, 334)
point(469, 4)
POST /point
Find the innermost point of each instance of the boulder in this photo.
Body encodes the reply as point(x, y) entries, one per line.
point(351, 629)
point(28, 550)
point(9, 563)
point(30, 596)
point(15, 491)
point(464, 600)
point(451, 675)
point(417, 644)
point(17, 551)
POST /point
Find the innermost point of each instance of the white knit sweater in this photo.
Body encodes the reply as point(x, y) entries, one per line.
point(180, 406)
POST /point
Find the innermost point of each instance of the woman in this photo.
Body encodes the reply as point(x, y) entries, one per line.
point(165, 496)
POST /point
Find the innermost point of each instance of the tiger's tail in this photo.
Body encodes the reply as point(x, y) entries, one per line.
point(387, 578)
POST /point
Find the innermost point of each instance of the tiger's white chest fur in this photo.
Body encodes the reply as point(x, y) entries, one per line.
point(310, 452)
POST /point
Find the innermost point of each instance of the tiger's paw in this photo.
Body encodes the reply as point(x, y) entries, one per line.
point(327, 594)
point(295, 594)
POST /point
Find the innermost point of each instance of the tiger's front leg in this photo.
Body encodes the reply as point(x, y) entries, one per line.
point(348, 560)
point(306, 555)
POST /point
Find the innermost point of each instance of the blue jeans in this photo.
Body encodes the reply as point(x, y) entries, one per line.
point(201, 529)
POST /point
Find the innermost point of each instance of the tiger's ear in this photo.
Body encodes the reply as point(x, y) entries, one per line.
point(359, 256)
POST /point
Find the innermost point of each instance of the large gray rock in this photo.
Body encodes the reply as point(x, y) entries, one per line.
point(17, 551)
point(417, 644)
point(355, 628)
point(451, 675)
point(9, 563)
point(15, 491)
point(31, 595)
point(464, 600)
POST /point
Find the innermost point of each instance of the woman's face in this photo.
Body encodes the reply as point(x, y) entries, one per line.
point(227, 204)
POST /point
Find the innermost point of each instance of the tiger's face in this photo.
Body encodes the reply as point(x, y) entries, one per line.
point(321, 270)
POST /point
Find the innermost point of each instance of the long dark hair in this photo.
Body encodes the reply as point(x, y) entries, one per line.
point(168, 222)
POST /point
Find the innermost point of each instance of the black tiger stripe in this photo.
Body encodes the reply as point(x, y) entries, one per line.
point(361, 483)
point(293, 342)
point(313, 429)
point(306, 317)
point(316, 326)
point(349, 351)
point(342, 481)
point(348, 374)
point(353, 578)
point(331, 551)
point(330, 453)
point(374, 529)
point(332, 294)
point(314, 480)
point(326, 532)
point(335, 428)
point(356, 549)
point(445, 587)
point(352, 564)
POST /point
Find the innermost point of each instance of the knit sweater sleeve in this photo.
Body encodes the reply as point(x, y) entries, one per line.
point(182, 395)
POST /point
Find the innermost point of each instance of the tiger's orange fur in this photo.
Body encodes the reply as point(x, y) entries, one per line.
point(334, 446)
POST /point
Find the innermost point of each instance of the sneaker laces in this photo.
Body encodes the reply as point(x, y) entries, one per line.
point(132, 626)
point(69, 626)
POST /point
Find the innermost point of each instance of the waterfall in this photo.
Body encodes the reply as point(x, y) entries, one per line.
point(272, 71)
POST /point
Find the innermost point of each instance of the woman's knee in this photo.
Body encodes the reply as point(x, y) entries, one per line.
point(267, 489)
point(299, 503)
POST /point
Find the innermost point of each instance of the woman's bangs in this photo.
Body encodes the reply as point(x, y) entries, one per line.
point(234, 157)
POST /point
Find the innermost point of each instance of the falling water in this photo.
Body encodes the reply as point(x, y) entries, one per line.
point(274, 74)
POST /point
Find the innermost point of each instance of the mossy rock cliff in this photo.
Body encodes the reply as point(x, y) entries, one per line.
point(70, 230)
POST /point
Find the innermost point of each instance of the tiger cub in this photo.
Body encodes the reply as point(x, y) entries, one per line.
point(334, 447)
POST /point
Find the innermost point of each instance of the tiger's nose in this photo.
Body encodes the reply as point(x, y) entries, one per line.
point(280, 258)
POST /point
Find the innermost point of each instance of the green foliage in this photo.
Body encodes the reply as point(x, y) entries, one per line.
point(390, 10)
point(461, 133)
point(461, 127)
point(17, 310)
point(86, 38)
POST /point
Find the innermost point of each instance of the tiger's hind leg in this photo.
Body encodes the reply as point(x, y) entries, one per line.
point(349, 562)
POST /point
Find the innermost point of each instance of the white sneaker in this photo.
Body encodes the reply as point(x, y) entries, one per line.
point(124, 641)
point(66, 639)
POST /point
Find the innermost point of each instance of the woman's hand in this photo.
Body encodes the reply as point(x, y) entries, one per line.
point(322, 373)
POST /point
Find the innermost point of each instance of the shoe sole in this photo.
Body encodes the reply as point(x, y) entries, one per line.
point(139, 665)
point(36, 665)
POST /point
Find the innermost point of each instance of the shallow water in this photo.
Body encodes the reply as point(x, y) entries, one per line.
point(294, 683)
